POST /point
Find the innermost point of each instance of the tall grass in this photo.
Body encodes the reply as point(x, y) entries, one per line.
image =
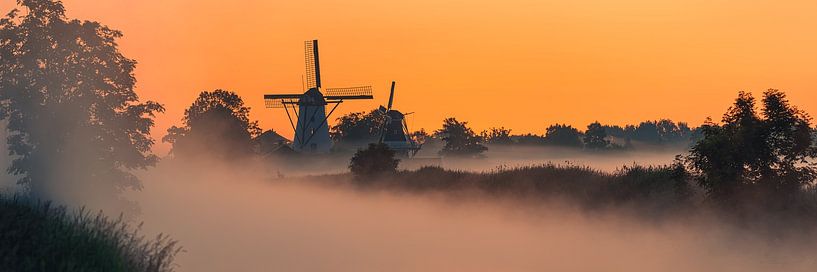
point(38, 236)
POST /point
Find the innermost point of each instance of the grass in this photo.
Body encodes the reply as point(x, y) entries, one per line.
point(37, 236)
point(651, 192)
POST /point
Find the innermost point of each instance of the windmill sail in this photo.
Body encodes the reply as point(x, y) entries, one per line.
point(363, 92)
point(313, 64)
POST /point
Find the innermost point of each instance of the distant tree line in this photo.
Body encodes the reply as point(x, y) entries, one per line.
point(598, 136)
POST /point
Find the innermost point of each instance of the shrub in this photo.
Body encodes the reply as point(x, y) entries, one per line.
point(37, 236)
point(373, 161)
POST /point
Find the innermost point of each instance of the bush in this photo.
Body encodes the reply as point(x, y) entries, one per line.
point(37, 236)
point(373, 161)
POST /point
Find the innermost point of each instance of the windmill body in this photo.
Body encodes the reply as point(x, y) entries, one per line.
point(309, 108)
point(312, 109)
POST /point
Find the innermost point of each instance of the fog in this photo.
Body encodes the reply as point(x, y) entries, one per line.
point(246, 220)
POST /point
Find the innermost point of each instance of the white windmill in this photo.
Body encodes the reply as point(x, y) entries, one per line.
point(309, 108)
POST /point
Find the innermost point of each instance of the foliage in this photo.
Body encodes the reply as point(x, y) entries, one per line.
point(653, 190)
point(663, 131)
point(563, 135)
point(373, 161)
point(771, 155)
point(67, 92)
point(595, 137)
point(420, 136)
point(499, 135)
point(358, 127)
point(39, 237)
point(217, 124)
point(529, 139)
point(460, 140)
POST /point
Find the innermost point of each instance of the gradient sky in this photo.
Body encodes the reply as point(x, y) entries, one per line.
point(521, 64)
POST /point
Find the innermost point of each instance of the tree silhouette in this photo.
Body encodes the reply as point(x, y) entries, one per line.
point(373, 161)
point(217, 125)
point(499, 135)
point(67, 92)
point(460, 140)
point(595, 137)
point(773, 154)
point(563, 135)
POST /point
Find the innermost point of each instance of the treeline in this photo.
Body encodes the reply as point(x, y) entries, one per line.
point(456, 138)
point(597, 136)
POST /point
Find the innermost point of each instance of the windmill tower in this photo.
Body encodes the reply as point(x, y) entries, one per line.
point(394, 131)
point(310, 125)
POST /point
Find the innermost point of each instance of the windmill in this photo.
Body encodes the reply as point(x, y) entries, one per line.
point(394, 131)
point(309, 108)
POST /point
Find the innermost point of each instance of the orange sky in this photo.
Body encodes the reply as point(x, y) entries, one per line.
point(521, 64)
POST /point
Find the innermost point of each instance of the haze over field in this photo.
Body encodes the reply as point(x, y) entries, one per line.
point(238, 220)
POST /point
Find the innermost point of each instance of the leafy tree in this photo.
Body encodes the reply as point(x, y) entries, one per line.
point(773, 153)
point(460, 140)
point(358, 127)
point(563, 135)
point(67, 92)
point(595, 137)
point(499, 135)
point(217, 125)
point(373, 161)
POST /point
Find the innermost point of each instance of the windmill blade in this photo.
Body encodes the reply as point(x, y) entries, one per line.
point(363, 92)
point(278, 100)
point(391, 95)
point(313, 64)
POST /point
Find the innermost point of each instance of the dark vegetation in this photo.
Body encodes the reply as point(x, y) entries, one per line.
point(37, 236)
point(767, 157)
point(67, 94)
point(658, 190)
point(75, 124)
point(375, 161)
point(217, 125)
point(459, 139)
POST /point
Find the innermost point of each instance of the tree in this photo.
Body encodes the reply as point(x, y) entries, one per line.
point(67, 92)
point(376, 160)
point(773, 155)
point(459, 139)
point(216, 125)
point(563, 135)
point(499, 135)
point(358, 127)
point(420, 136)
point(595, 137)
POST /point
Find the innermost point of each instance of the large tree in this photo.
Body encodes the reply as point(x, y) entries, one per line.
point(68, 94)
point(216, 125)
point(771, 153)
point(460, 140)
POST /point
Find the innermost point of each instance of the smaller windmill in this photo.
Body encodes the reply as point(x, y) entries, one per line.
point(394, 131)
point(309, 108)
